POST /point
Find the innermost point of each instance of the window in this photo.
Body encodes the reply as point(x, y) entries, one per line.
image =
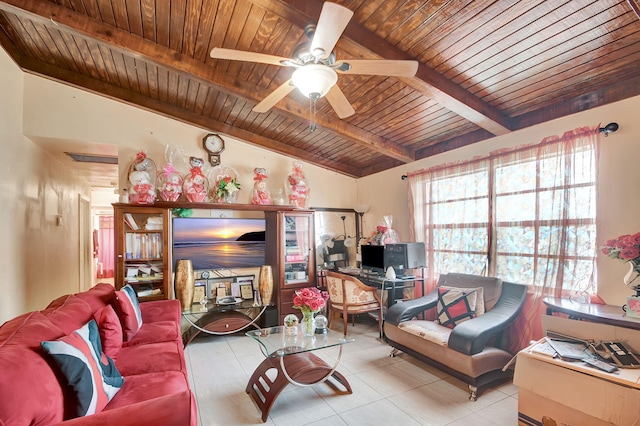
point(525, 215)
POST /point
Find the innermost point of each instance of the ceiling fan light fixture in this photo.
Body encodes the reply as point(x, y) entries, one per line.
point(313, 80)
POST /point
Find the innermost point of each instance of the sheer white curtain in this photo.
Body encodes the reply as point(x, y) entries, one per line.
point(526, 215)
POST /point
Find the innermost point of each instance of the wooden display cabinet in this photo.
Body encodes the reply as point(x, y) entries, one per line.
point(142, 252)
point(293, 260)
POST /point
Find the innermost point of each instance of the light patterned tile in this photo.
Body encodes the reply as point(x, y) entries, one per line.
point(399, 390)
point(378, 413)
point(299, 406)
point(363, 394)
point(429, 406)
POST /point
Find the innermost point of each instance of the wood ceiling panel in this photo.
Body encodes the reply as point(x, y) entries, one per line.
point(486, 67)
point(558, 50)
point(106, 12)
point(177, 13)
point(490, 39)
point(566, 77)
point(481, 20)
point(161, 16)
point(532, 52)
point(121, 16)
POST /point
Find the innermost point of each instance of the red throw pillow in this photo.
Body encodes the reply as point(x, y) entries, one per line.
point(110, 331)
point(456, 305)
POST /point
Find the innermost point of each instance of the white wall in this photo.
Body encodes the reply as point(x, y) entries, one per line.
point(58, 111)
point(38, 259)
point(618, 205)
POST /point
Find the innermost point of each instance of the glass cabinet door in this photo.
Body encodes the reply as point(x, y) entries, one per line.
point(297, 247)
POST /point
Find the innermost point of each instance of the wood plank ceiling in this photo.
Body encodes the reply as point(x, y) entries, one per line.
point(486, 67)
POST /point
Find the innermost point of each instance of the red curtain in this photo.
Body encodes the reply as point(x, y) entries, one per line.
point(526, 215)
point(105, 247)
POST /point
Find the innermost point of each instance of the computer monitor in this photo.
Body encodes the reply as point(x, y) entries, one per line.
point(403, 256)
point(372, 258)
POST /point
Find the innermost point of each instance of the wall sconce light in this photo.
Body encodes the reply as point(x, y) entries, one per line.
point(609, 128)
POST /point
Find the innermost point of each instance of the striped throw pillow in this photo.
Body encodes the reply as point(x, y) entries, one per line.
point(129, 311)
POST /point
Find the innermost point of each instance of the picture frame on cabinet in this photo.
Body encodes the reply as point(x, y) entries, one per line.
point(200, 290)
point(246, 291)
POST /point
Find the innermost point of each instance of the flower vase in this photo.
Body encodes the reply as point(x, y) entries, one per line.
point(308, 323)
point(265, 284)
point(185, 285)
point(632, 278)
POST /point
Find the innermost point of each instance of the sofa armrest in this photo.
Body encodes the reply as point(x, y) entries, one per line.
point(404, 311)
point(178, 409)
point(470, 337)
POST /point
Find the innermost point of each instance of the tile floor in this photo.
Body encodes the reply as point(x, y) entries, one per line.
point(391, 391)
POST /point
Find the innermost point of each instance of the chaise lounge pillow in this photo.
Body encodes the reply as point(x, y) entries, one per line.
point(129, 311)
point(90, 374)
point(456, 305)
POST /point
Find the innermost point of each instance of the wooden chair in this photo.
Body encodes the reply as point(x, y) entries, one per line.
point(349, 296)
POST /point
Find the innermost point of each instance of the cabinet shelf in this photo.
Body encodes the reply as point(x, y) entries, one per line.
point(289, 232)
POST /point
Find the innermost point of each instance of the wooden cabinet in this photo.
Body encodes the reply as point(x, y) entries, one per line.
point(143, 250)
point(292, 258)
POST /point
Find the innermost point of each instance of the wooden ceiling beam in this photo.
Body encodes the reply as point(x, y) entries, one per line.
point(427, 81)
point(47, 13)
point(120, 94)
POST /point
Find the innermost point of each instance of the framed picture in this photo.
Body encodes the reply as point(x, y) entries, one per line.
point(246, 291)
point(200, 291)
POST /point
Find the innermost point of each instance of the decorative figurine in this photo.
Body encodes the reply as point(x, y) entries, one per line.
point(169, 183)
point(261, 194)
point(141, 180)
point(297, 188)
point(196, 183)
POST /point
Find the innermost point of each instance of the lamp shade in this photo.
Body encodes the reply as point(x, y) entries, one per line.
point(314, 80)
point(361, 208)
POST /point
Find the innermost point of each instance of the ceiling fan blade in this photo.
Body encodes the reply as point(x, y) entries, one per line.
point(331, 24)
point(381, 67)
point(274, 97)
point(339, 102)
point(239, 55)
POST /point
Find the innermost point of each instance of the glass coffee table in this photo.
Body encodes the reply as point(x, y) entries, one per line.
point(294, 362)
point(221, 319)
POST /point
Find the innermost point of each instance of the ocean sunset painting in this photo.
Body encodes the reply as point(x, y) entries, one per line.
point(217, 243)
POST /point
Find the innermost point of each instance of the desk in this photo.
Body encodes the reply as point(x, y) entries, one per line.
point(604, 314)
point(291, 359)
point(395, 286)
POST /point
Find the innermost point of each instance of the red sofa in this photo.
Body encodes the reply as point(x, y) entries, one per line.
point(155, 390)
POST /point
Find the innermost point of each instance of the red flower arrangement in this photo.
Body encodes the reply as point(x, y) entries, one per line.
point(310, 299)
point(625, 248)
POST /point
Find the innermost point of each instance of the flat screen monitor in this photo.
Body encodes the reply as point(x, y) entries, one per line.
point(372, 258)
point(218, 243)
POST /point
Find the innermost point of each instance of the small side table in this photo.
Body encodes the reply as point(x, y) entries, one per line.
point(604, 314)
point(294, 363)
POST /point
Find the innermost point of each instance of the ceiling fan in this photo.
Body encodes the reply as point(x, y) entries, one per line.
point(316, 69)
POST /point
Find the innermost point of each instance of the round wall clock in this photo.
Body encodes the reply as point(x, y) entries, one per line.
point(214, 145)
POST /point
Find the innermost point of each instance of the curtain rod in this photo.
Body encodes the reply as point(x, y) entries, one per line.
point(609, 128)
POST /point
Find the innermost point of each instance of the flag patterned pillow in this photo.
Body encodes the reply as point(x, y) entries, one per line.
point(456, 305)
